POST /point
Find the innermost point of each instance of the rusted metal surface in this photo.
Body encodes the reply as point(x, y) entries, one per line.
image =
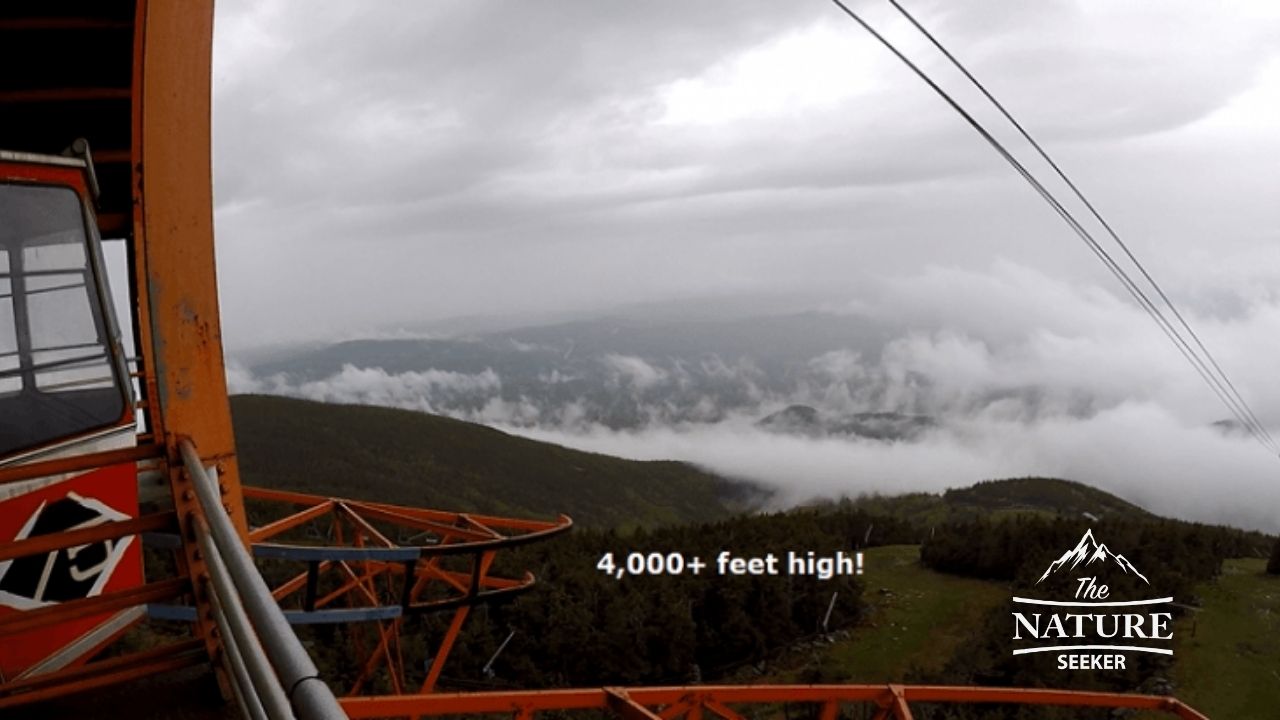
point(174, 234)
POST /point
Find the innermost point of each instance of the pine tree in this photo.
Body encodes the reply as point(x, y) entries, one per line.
point(1273, 567)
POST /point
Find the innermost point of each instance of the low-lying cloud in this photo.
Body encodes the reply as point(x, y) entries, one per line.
point(1017, 374)
point(421, 391)
point(1137, 451)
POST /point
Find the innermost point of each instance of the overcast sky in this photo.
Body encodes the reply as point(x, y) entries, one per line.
point(392, 162)
point(380, 165)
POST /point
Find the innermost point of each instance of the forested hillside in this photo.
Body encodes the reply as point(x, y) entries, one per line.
point(413, 458)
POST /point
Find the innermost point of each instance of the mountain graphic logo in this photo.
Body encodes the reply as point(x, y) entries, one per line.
point(1087, 552)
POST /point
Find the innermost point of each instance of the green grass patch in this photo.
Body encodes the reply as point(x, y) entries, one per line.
point(1228, 654)
point(917, 619)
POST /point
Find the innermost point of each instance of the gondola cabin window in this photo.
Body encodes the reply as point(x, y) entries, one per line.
point(59, 372)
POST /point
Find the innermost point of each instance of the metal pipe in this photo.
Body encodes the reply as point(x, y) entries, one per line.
point(241, 684)
point(223, 597)
point(298, 674)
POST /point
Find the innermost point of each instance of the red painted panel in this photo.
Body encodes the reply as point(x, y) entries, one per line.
point(101, 495)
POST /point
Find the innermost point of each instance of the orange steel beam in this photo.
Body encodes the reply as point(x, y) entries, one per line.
point(671, 712)
point(720, 709)
point(103, 673)
point(290, 522)
point(378, 511)
point(470, 600)
point(297, 498)
point(283, 496)
point(897, 703)
point(42, 544)
point(621, 703)
point(480, 525)
point(892, 698)
point(401, 518)
point(362, 525)
point(342, 590)
point(492, 520)
point(60, 466)
point(382, 651)
point(446, 645)
point(72, 609)
point(175, 283)
point(461, 703)
point(173, 234)
point(695, 712)
point(461, 580)
point(424, 570)
point(297, 582)
point(428, 571)
point(395, 669)
point(1039, 696)
point(455, 627)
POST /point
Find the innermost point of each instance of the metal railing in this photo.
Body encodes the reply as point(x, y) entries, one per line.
point(271, 674)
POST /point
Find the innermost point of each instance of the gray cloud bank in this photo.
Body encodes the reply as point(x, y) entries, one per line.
point(1024, 374)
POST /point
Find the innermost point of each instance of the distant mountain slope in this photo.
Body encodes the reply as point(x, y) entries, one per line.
point(616, 372)
point(1013, 496)
point(1047, 494)
point(810, 422)
point(413, 458)
point(772, 342)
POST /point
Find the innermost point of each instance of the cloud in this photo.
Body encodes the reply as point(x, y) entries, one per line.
point(1013, 326)
point(375, 386)
point(1025, 374)
point(634, 371)
point(1136, 451)
point(240, 379)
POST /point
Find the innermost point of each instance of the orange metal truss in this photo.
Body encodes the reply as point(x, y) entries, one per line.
point(695, 703)
point(445, 565)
